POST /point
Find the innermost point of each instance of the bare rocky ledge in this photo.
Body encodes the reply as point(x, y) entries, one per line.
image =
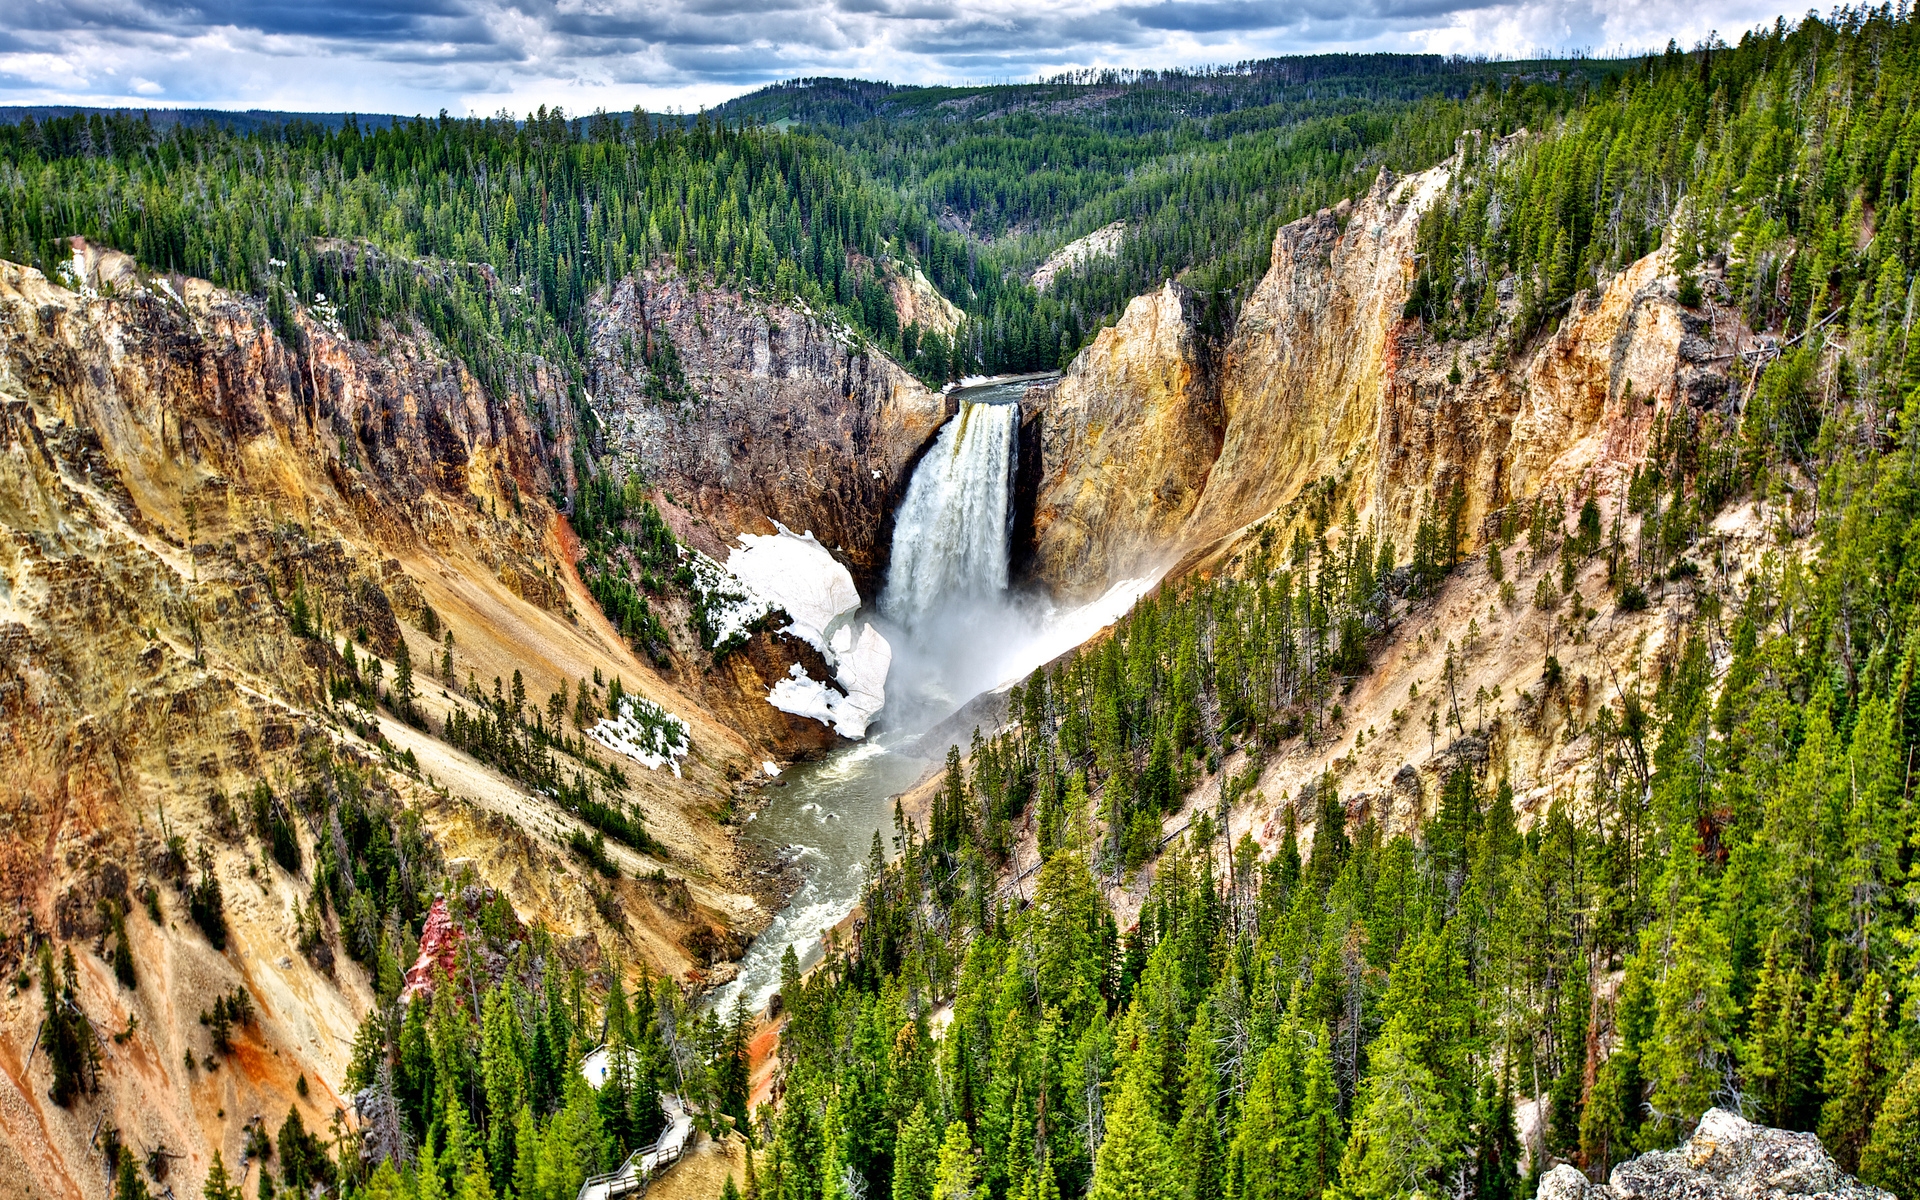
point(1727, 1158)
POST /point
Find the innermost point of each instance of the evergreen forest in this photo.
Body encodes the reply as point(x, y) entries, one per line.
point(1728, 918)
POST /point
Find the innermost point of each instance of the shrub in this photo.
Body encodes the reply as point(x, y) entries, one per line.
point(206, 905)
point(594, 850)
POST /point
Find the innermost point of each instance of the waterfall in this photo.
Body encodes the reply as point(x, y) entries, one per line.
point(951, 534)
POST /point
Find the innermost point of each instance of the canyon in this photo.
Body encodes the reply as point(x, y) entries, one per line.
point(178, 474)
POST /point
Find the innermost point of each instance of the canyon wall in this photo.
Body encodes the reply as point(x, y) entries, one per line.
point(1326, 409)
point(785, 416)
point(1324, 390)
point(1127, 439)
point(176, 481)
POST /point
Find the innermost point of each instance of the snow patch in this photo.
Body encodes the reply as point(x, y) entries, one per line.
point(861, 668)
point(724, 603)
point(804, 696)
point(74, 275)
point(646, 733)
point(795, 573)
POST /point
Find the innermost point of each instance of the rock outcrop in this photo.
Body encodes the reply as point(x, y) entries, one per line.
point(1101, 243)
point(1326, 392)
point(784, 416)
point(917, 302)
point(747, 415)
point(1727, 1158)
point(1127, 439)
point(440, 940)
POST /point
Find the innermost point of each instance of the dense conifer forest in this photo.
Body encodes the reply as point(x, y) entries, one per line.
point(495, 232)
point(1728, 918)
point(1202, 166)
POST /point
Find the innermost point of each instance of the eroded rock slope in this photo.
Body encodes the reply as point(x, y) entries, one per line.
point(1156, 437)
point(180, 490)
point(766, 414)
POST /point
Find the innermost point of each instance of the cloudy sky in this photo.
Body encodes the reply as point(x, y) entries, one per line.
point(477, 56)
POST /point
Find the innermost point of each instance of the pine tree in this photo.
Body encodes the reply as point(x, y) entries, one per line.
point(1693, 1014)
point(915, 1157)
point(526, 1161)
point(1576, 1015)
point(1406, 1134)
point(429, 1177)
point(1497, 1151)
point(66, 1031)
point(503, 1072)
point(461, 1146)
point(477, 1185)
point(219, 1185)
point(1611, 1122)
point(122, 948)
point(1891, 1158)
point(956, 1175)
point(384, 1184)
point(1134, 1162)
point(1320, 1139)
point(1822, 1038)
point(403, 676)
point(1196, 1140)
point(1064, 922)
point(126, 1179)
point(1857, 1077)
point(205, 903)
point(1261, 1160)
point(1771, 1055)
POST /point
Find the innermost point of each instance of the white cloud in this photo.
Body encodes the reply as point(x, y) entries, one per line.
point(1601, 27)
point(480, 55)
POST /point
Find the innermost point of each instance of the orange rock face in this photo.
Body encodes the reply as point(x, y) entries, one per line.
point(1161, 445)
point(440, 942)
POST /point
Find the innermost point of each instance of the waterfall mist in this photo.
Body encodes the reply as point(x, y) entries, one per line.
point(946, 588)
point(956, 629)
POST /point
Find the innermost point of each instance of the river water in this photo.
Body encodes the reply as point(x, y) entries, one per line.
point(824, 818)
point(823, 815)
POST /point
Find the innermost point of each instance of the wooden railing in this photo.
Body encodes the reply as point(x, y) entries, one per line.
point(635, 1173)
point(628, 1173)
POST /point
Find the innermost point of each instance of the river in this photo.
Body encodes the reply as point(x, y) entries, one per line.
point(822, 815)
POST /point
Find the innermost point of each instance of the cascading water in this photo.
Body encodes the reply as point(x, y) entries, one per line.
point(946, 592)
point(956, 632)
point(951, 534)
point(948, 578)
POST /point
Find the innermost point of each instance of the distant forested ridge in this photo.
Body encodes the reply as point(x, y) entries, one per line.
point(1202, 166)
point(1726, 915)
point(972, 186)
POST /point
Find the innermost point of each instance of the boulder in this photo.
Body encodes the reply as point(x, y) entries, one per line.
point(1727, 1158)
